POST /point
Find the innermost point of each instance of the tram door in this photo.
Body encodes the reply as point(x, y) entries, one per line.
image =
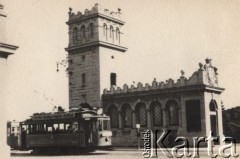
point(88, 132)
point(23, 136)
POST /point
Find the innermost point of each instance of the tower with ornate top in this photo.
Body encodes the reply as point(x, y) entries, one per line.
point(96, 41)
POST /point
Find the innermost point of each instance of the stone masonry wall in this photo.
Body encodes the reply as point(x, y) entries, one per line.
point(84, 61)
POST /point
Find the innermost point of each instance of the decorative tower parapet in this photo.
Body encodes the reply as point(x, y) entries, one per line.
point(96, 26)
point(96, 9)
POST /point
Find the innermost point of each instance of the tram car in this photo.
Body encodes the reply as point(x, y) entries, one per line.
point(77, 130)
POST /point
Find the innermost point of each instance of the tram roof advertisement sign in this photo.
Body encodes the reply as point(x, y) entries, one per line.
point(53, 116)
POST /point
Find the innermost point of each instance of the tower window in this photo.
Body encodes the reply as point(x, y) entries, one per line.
point(83, 80)
point(83, 57)
point(118, 35)
point(91, 30)
point(83, 31)
point(105, 30)
point(112, 33)
point(113, 79)
point(75, 35)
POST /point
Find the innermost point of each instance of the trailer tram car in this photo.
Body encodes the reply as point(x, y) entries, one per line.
point(75, 130)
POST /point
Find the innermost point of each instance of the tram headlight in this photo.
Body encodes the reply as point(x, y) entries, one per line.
point(106, 139)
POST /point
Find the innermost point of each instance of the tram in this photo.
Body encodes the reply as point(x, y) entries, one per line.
point(77, 129)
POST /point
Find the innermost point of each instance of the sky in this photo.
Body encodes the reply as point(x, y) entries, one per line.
point(163, 37)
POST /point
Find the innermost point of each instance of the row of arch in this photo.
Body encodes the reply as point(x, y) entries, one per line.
point(82, 32)
point(126, 114)
point(111, 33)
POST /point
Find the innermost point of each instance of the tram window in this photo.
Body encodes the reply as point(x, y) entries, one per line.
point(80, 126)
point(61, 126)
point(94, 126)
point(8, 131)
point(105, 125)
point(67, 126)
point(49, 129)
point(75, 126)
point(27, 129)
point(13, 129)
point(24, 127)
point(45, 127)
point(55, 126)
point(99, 125)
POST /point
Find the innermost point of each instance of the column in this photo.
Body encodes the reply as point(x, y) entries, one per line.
point(149, 125)
point(165, 118)
point(120, 120)
point(134, 119)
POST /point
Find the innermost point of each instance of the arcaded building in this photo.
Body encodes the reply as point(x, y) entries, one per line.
point(188, 107)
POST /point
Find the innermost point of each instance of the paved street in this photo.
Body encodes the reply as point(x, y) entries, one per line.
point(118, 153)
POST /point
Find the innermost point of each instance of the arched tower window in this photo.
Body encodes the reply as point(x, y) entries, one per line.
point(91, 29)
point(83, 31)
point(156, 114)
point(75, 35)
point(141, 114)
point(126, 116)
point(118, 35)
point(113, 113)
point(172, 108)
point(83, 80)
point(105, 30)
point(111, 33)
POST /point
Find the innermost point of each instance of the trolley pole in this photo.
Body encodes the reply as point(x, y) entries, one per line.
point(138, 135)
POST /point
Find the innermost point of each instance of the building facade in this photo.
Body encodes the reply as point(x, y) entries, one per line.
point(6, 49)
point(188, 107)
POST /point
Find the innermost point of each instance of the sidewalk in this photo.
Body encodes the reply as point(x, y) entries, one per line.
point(201, 151)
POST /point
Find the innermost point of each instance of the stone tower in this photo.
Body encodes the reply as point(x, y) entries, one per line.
point(95, 47)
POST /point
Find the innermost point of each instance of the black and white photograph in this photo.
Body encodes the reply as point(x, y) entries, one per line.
point(99, 79)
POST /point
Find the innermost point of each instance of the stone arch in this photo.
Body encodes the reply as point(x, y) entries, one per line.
point(134, 104)
point(141, 114)
point(156, 113)
point(172, 112)
point(127, 118)
point(112, 112)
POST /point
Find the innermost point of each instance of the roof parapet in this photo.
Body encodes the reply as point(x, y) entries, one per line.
point(206, 75)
